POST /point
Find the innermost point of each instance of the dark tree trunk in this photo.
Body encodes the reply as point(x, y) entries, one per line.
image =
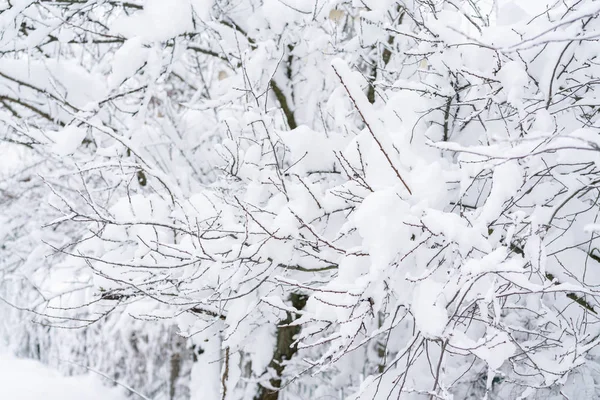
point(284, 350)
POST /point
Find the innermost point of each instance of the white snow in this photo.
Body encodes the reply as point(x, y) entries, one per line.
point(67, 140)
point(419, 218)
point(159, 20)
point(429, 309)
point(31, 380)
point(128, 59)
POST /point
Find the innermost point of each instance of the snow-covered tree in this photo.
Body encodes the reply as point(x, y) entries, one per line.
point(290, 199)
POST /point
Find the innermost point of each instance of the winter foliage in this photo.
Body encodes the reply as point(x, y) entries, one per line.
point(304, 199)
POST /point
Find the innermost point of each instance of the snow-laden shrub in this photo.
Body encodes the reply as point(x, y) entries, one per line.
point(349, 199)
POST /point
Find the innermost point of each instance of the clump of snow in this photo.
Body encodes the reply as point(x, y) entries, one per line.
point(384, 234)
point(159, 20)
point(429, 309)
point(67, 140)
point(507, 180)
point(313, 151)
point(127, 60)
point(514, 78)
point(495, 348)
point(62, 78)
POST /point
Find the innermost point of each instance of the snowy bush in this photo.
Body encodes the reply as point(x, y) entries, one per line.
point(326, 198)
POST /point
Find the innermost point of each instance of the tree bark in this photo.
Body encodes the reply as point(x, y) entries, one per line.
point(284, 349)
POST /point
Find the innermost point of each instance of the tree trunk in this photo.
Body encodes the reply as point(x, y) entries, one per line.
point(284, 350)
